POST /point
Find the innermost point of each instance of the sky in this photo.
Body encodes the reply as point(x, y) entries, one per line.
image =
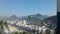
point(27, 7)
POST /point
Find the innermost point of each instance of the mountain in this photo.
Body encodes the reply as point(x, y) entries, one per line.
point(39, 16)
point(13, 17)
point(36, 19)
point(51, 21)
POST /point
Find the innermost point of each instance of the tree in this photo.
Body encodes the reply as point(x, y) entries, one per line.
point(29, 16)
point(16, 32)
point(33, 31)
point(2, 24)
point(26, 33)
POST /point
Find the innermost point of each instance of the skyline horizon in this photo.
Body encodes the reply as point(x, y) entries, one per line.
point(27, 15)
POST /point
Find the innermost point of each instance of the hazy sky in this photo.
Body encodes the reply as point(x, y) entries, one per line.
point(27, 7)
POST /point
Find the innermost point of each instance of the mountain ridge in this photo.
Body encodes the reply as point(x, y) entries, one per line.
point(14, 17)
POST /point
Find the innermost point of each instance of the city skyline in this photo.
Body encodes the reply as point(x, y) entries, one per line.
point(27, 7)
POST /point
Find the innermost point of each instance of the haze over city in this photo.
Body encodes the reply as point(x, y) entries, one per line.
point(27, 7)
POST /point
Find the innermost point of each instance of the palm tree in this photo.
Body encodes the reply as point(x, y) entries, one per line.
point(2, 24)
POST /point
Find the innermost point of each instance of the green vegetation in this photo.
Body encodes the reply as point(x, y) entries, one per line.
point(2, 24)
point(22, 32)
point(16, 33)
point(29, 16)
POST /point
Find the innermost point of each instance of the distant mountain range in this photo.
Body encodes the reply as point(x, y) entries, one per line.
point(14, 17)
